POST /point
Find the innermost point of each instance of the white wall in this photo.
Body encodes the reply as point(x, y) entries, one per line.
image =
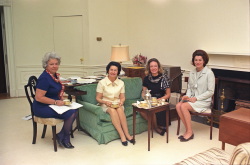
point(172, 29)
point(169, 30)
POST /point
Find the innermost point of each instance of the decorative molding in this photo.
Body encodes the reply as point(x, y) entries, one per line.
point(230, 62)
point(229, 53)
point(229, 68)
point(23, 72)
point(5, 2)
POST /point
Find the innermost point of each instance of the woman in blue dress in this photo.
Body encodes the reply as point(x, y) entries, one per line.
point(49, 90)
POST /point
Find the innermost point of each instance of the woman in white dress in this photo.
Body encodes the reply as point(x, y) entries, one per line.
point(201, 84)
point(110, 90)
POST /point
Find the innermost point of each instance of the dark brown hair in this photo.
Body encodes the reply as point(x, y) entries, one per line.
point(113, 63)
point(201, 53)
point(147, 70)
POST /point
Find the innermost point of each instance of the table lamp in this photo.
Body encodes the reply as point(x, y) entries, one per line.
point(120, 53)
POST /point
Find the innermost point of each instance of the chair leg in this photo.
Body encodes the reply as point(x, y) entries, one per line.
point(169, 118)
point(34, 132)
point(211, 127)
point(178, 125)
point(72, 133)
point(44, 131)
point(54, 137)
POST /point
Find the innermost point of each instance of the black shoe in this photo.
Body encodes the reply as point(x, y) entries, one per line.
point(180, 137)
point(132, 141)
point(125, 143)
point(185, 140)
point(68, 145)
point(162, 132)
point(59, 141)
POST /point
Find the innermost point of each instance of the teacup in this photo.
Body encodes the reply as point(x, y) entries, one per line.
point(66, 102)
point(143, 104)
point(154, 99)
point(115, 105)
point(154, 104)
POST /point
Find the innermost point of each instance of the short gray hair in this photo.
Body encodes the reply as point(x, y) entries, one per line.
point(48, 56)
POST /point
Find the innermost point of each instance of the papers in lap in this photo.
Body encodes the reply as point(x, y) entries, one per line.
point(62, 109)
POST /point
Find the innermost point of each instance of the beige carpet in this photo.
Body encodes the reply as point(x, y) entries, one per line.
point(16, 147)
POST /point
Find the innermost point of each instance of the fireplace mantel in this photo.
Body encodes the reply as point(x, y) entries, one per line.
point(230, 61)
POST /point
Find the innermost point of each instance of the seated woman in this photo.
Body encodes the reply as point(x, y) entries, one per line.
point(112, 90)
point(158, 83)
point(201, 84)
point(49, 90)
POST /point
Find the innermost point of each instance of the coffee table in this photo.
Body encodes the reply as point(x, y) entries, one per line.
point(150, 112)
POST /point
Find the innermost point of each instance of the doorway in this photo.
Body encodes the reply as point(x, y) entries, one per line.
point(3, 86)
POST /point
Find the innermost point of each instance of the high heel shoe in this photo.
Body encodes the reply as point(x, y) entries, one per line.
point(68, 145)
point(59, 141)
point(132, 141)
point(180, 137)
point(185, 140)
point(162, 132)
point(125, 143)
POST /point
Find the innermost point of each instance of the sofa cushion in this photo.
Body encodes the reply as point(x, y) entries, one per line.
point(90, 97)
point(133, 87)
point(209, 157)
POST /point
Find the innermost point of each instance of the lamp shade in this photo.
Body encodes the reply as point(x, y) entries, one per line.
point(119, 53)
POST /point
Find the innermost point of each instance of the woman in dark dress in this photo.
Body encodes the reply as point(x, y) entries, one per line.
point(158, 83)
point(49, 90)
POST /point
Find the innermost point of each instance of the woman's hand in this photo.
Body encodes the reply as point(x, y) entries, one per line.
point(121, 103)
point(108, 104)
point(59, 103)
point(185, 97)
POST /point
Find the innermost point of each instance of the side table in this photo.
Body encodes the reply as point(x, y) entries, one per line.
point(69, 89)
point(150, 112)
point(235, 127)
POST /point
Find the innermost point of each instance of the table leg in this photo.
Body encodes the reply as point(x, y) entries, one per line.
point(167, 122)
point(134, 118)
point(152, 126)
point(149, 128)
point(77, 121)
point(223, 146)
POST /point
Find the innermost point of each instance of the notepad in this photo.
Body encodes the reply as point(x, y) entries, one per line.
point(62, 109)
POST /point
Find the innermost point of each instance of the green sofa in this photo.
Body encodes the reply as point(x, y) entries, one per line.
point(98, 123)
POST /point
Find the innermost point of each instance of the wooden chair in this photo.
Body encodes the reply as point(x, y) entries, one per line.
point(30, 90)
point(208, 113)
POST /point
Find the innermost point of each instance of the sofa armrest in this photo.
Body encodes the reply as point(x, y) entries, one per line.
point(241, 154)
point(95, 109)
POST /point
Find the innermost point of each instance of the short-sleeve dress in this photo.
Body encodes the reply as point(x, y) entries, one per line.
point(46, 83)
point(156, 91)
point(110, 90)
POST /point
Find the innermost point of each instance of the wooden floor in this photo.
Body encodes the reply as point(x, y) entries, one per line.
point(4, 96)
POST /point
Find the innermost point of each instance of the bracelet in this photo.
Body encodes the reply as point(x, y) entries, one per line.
point(55, 102)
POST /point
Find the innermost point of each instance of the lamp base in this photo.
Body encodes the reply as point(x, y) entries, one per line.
point(122, 73)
